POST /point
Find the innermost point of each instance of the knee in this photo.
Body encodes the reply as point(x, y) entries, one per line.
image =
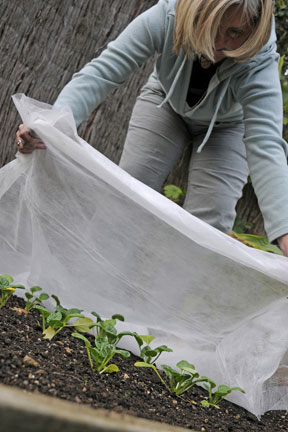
point(218, 211)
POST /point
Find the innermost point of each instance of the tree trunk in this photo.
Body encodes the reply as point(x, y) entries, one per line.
point(43, 42)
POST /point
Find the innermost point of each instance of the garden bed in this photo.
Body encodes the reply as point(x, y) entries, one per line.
point(60, 368)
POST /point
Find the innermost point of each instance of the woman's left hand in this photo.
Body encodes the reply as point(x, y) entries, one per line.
point(283, 244)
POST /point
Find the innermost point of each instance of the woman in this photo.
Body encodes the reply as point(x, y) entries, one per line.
point(215, 84)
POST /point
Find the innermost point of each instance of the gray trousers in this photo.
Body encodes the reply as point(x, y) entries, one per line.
point(155, 141)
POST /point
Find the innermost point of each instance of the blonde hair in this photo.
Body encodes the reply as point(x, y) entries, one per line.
point(197, 25)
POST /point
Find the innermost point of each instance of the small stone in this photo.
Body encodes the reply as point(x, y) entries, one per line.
point(31, 376)
point(206, 420)
point(237, 416)
point(174, 402)
point(29, 360)
point(68, 350)
point(203, 429)
point(40, 372)
point(226, 411)
point(126, 376)
point(77, 399)
point(84, 389)
point(59, 343)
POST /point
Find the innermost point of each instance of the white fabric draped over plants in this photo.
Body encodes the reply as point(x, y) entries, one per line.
point(80, 227)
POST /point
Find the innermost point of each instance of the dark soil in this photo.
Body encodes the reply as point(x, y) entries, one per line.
point(62, 371)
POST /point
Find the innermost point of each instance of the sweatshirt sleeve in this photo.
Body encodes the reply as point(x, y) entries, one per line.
point(141, 39)
point(261, 98)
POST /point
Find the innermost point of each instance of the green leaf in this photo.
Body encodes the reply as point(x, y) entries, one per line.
point(108, 327)
point(49, 333)
point(128, 333)
point(73, 311)
point(99, 319)
point(187, 367)
point(54, 316)
point(83, 324)
point(35, 289)
point(83, 338)
point(210, 381)
point(42, 309)
point(170, 372)
point(172, 192)
point(144, 364)
point(123, 353)
point(224, 390)
point(6, 280)
point(209, 404)
point(43, 296)
point(55, 324)
point(280, 65)
point(147, 338)
point(147, 351)
point(163, 348)
point(118, 317)
point(136, 336)
point(28, 295)
point(258, 242)
point(56, 299)
point(18, 286)
point(110, 369)
point(8, 289)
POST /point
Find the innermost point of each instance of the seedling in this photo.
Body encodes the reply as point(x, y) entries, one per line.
point(6, 289)
point(54, 322)
point(33, 299)
point(182, 381)
point(179, 382)
point(107, 329)
point(174, 193)
point(218, 395)
point(148, 354)
point(100, 355)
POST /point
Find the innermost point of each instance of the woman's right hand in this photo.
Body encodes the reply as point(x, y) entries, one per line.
point(26, 141)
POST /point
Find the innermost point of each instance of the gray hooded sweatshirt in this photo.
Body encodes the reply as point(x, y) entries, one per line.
point(248, 92)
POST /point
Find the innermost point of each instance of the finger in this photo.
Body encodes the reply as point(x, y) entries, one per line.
point(25, 151)
point(40, 145)
point(27, 146)
point(24, 147)
point(29, 136)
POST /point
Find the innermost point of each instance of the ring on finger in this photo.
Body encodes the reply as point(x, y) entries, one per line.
point(19, 142)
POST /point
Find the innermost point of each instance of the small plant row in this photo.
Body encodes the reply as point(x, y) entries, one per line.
point(106, 339)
